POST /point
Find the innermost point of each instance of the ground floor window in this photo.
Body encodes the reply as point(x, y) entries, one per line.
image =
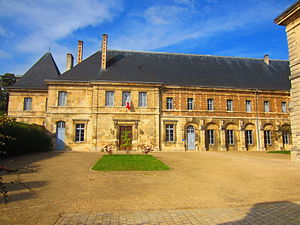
point(79, 132)
point(230, 137)
point(267, 135)
point(286, 138)
point(249, 137)
point(210, 137)
point(169, 132)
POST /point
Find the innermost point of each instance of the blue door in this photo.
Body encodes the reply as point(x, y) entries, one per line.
point(60, 135)
point(191, 138)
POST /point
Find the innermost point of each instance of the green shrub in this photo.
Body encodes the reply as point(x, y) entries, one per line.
point(25, 138)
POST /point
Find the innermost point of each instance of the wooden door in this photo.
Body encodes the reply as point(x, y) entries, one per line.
point(125, 137)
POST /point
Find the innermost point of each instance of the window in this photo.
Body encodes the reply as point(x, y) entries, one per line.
point(267, 135)
point(210, 104)
point(267, 106)
point(249, 137)
point(27, 104)
point(286, 138)
point(169, 103)
point(283, 107)
point(210, 137)
point(62, 98)
point(230, 137)
point(248, 106)
point(109, 98)
point(169, 132)
point(125, 97)
point(142, 99)
point(79, 133)
point(229, 105)
point(190, 103)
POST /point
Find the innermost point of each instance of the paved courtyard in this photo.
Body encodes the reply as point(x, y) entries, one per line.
point(201, 188)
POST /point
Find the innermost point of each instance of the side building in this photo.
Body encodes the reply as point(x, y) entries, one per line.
point(175, 102)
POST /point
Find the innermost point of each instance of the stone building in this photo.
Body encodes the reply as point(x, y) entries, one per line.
point(175, 102)
point(290, 18)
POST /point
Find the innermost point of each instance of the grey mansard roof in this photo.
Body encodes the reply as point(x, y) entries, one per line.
point(34, 78)
point(184, 70)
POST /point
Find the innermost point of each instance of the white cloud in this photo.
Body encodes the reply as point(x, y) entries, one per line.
point(48, 21)
point(173, 24)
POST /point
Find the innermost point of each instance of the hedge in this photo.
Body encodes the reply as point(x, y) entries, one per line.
point(25, 138)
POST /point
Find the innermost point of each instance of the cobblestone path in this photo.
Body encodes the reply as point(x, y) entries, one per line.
point(277, 213)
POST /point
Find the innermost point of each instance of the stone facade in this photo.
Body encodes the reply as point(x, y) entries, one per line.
point(291, 19)
point(86, 104)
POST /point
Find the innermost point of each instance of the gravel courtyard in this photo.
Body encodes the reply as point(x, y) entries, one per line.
point(64, 183)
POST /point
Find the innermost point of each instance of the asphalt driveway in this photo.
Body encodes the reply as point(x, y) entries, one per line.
point(64, 183)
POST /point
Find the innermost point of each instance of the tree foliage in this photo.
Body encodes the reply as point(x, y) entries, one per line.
point(6, 80)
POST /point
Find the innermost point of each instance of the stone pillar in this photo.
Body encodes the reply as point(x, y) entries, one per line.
point(222, 140)
point(290, 18)
point(242, 143)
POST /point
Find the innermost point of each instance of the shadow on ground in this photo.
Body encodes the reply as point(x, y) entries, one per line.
point(271, 213)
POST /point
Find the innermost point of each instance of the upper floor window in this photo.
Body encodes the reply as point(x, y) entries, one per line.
point(169, 132)
point(210, 137)
point(283, 107)
point(79, 132)
point(109, 98)
point(190, 103)
point(248, 106)
point(210, 104)
point(62, 98)
point(169, 103)
point(27, 104)
point(267, 106)
point(142, 99)
point(230, 137)
point(125, 98)
point(229, 105)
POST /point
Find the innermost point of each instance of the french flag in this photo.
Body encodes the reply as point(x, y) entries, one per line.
point(127, 105)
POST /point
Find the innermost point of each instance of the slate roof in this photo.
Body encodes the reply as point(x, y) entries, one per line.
point(184, 70)
point(34, 78)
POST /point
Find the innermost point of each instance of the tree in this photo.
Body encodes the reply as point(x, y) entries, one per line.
point(6, 80)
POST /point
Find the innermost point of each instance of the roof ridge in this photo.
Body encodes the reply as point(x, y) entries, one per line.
point(190, 54)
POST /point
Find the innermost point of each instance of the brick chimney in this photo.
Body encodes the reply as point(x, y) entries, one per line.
point(79, 54)
point(70, 61)
point(266, 59)
point(103, 51)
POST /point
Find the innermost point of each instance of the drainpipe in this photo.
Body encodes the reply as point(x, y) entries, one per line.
point(257, 122)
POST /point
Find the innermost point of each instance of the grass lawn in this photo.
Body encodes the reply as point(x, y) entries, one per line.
point(130, 162)
point(280, 152)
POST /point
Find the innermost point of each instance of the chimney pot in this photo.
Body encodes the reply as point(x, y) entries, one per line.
point(266, 59)
point(104, 51)
point(70, 61)
point(79, 53)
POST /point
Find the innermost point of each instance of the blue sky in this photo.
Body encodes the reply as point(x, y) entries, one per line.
point(242, 28)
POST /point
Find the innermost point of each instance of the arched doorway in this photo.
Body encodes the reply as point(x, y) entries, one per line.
point(60, 135)
point(191, 138)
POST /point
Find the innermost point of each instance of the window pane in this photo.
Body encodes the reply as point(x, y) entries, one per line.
point(249, 137)
point(210, 137)
point(169, 132)
point(190, 103)
point(142, 99)
point(79, 133)
point(109, 101)
point(169, 103)
point(125, 97)
point(283, 107)
point(230, 137)
point(27, 104)
point(229, 105)
point(62, 97)
point(248, 106)
point(267, 106)
point(210, 104)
